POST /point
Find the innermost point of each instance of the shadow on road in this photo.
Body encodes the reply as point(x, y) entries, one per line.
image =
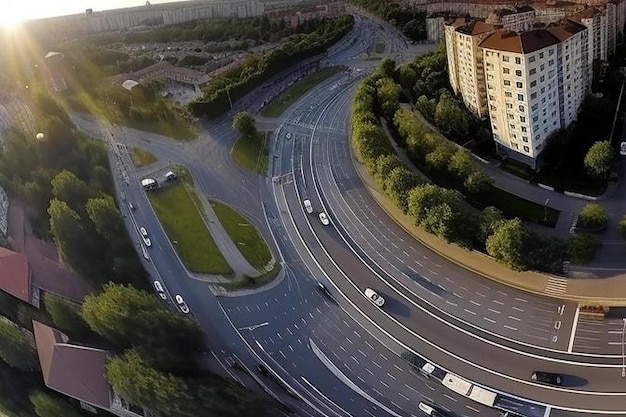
point(394, 306)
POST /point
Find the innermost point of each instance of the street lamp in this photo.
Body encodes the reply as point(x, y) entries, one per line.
point(545, 209)
point(623, 357)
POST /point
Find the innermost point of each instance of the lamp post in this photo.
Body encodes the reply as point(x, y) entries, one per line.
point(623, 357)
point(545, 209)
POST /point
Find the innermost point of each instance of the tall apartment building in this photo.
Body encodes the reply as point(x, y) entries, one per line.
point(518, 19)
point(535, 83)
point(465, 61)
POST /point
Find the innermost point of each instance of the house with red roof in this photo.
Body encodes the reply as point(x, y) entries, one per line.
point(16, 277)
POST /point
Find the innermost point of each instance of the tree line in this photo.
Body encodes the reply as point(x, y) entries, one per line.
point(442, 211)
point(411, 22)
point(252, 72)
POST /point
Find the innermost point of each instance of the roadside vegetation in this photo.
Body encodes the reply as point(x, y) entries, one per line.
point(142, 158)
point(251, 151)
point(245, 236)
point(252, 72)
point(411, 22)
point(285, 99)
point(453, 198)
point(186, 229)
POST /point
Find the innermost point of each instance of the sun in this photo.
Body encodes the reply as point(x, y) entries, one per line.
point(10, 17)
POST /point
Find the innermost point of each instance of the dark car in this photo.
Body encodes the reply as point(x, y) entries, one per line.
point(547, 378)
point(324, 290)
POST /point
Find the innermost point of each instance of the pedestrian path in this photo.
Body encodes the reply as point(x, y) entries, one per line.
point(556, 286)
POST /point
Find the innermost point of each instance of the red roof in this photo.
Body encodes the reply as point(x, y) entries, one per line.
point(15, 274)
point(76, 371)
point(524, 43)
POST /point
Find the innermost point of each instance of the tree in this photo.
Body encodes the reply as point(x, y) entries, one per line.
point(398, 185)
point(388, 94)
point(15, 349)
point(592, 216)
point(490, 220)
point(47, 405)
point(582, 247)
point(388, 67)
point(506, 244)
point(450, 118)
point(461, 164)
point(478, 182)
point(69, 188)
point(435, 208)
point(599, 158)
point(244, 124)
point(440, 157)
point(68, 232)
point(383, 167)
point(65, 314)
point(106, 218)
point(140, 383)
point(621, 227)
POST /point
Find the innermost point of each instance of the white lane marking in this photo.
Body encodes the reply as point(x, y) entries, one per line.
point(398, 368)
point(489, 320)
point(515, 318)
point(404, 396)
point(450, 398)
point(354, 359)
point(361, 352)
point(357, 335)
point(517, 309)
point(475, 303)
point(380, 367)
point(469, 311)
point(391, 376)
point(493, 311)
point(521, 299)
point(570, 346)
point(451, 303)
point(511, 328)
point(473, 409)
point(383, 356)
point(498, 302)
point(384, 385)
point(411, 388)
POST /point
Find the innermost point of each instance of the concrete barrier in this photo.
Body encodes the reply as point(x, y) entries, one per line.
point(582, 196)
point(545, 187)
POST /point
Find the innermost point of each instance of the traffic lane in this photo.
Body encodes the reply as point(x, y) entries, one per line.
point(598, 335)
point(473, 299)
point(475, 351)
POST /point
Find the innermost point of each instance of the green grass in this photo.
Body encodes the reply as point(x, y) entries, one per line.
point(518, 169)
point(253, 282)
point(514, 206)
point(174, 128)
point(141, 157)
point(184, 225)
point(293, 93)
point(245, 236)
point(251, 153)
point(379, 47)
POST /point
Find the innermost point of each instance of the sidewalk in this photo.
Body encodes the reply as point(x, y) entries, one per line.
point(606, 291)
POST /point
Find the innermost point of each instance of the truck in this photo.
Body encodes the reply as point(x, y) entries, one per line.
point(469, 390)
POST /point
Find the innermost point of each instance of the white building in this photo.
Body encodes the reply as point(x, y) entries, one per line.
point(465, 62)
point(536, 81)
point(518, 20)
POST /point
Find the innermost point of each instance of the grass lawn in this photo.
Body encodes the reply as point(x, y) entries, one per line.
point(251, 153)
point(184, 224)
point(379, 46)
point(176, 128)
point(290, 95)
point(141, 157)
point(514, 206)
point(245, 236)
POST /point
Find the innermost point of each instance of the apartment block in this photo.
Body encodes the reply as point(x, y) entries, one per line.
point(519, 19)
point(535, 83)
point(465, 61)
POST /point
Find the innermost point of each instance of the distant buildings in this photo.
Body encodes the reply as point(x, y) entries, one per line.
point(164, 71)
point(529, 77)
point(295, 16)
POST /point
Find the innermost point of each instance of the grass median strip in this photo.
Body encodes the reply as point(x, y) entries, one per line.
point(251, 153)
point(244, 234)
point(293, 93)
point(186, 229)
point(142, 158)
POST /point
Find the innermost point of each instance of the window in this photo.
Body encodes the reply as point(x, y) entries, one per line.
point(535, 119)
point(526, 149)
point(521, 108)
point(508, 94)
point(542, 67)
point(512, 126)
point(509, 105)
point(523, 120)
point(534, 107)
point(519, 84)
point(541, 55)
point(525, 139)
point(533, 96)
point(506, 70)
point(542, 79)
point(533, 71)
point(505, 58)
point(520, 97)
point(510, 116)
point(533, 84)
point(518, 60)
point(531, 59)
point(518, 73)
point(507, 82)
point(523, 129)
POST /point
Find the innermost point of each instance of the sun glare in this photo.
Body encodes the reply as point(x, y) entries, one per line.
point(10, 17)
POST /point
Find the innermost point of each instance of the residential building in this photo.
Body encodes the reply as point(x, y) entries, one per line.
point(79, 372)
point(16, 277)
point(536, 81)
point(519, 19)
point(465, 62)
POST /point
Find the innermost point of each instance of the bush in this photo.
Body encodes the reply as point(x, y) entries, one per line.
point(582, 248)
point(621, 227)
point(592, 216)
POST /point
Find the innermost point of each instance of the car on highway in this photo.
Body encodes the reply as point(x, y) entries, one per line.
point(622, 148)
point(548, 378)
point(182, 304)
point(159, 289)
point(431, 410)
point(144, 235)
point(324, 290)
point(288, 135)
point(374, 297)
point(131, 206)
point(308, 206)
point(324, 219)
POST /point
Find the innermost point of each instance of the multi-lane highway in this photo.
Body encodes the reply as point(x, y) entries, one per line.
point(341, 355)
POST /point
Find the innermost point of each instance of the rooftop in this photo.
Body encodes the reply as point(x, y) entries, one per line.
point(524, 43)
point(476, 27)
point(15, 274)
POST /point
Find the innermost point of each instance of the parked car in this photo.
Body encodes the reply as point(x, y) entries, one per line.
point(622, 148)
point(144, 235)
point(548, 378)
point(307, 206)
point(160, 290)
point(324, 219)
point(374, 297)
point(182, 304)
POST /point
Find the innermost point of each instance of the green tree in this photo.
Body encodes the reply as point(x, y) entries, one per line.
point(244, 124)
point(592, 216)
point(599, 158)
point(67, 231)
point(47, 405)
point(69, 188)
point(383, 167)
point(621, 227)
point(507, 244)
point(15, 349)
point(582, 247)
point(490, 220)
point(450, 117)
point(65, 314)
point(440, 157)
point(106, 218)
point(388, 94)
point(436, 209)
point(388, 67)
point(140, 383)
point(461, 164)
point(398, 184)
point(478, 182)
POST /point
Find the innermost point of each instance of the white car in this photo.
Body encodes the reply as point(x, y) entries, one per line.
point(622, 148)
point(288, 135)
point(144, 235)
point(182, 304)
point(427, 409)
point(324, 219)
point(307, 206)
point(160, 290)
point(374, 297)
